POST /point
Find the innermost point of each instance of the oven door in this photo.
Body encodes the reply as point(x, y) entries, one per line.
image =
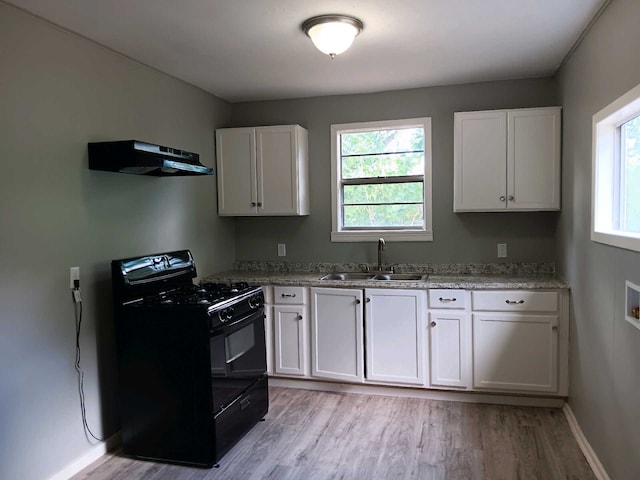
point(238, 357)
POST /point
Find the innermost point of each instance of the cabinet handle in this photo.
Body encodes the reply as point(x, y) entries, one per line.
point(290, 295)
point(299, 317)
point(511, 198)
point(357, 301)
point(367, 300)
point(554, 328)
point(253, 204)
point(513, 302)
point(447, 299)
point(433, 324)
point(502, 198)
point(259, 204)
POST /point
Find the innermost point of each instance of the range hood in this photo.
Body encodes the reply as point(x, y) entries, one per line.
point(141, 158)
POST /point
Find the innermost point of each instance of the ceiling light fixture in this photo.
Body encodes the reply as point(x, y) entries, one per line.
point(332, 34)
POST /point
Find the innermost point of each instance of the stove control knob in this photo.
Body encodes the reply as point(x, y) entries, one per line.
point(226, 314)
point(254, 302)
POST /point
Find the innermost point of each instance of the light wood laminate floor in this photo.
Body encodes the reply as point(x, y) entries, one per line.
point(313, 435)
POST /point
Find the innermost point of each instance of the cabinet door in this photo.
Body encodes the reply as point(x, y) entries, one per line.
point(394, 332)
point(281, 158)
point(291, 340)
point(336, 334)
point(515, 352)
point(448, 337)
point(236, 162)
point(533, 160)
point(480, 159)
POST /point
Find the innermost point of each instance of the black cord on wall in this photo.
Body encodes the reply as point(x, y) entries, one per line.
point(77, 302)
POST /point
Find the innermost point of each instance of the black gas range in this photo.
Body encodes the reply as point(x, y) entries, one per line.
point(191, 359)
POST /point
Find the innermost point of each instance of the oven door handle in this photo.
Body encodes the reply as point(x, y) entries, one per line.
point(233, 359)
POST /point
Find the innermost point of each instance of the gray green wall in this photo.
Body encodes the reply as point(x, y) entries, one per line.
point(458, 238)
point(58, 92)
point(605, 349)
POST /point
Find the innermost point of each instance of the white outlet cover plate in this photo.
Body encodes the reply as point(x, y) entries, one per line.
point(74, 274)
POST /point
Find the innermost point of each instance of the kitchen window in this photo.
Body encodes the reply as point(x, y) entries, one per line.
point(616, 173)
point(381, 181)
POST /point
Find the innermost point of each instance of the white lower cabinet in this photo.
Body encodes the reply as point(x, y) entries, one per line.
point(290, 331)
point(291, 336)
point(449, 339)
point(516, 346)
point(336, 334)
point(448, 349)
point(394, 335)
point(481, 340)
point(515, 352)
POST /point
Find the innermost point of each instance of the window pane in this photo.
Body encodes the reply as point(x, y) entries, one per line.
point(377, 216)
point(383, 193)
point(382, 141)
point(380, 168)
point(631, 174)
point(385, 165)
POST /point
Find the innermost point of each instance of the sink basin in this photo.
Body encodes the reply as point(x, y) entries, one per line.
point(347, 276)
point(415, 277)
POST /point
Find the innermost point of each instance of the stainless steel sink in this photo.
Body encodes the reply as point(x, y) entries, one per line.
point(346, 276)
point(407, 277)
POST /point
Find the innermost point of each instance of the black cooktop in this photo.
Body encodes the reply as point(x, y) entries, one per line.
point(207, 294)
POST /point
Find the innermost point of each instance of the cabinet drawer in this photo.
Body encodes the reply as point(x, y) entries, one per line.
point(515, 301)
point(290, 295)
point(446, 298)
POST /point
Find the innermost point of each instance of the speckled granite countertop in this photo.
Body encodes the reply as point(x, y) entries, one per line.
point(468, 276)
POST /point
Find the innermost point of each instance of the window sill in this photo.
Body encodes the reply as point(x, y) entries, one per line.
point(388, 235)
point(629, 241)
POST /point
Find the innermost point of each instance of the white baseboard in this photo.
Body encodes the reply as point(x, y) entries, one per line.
point(88, 458)
point(585, 446)
point(448, 395)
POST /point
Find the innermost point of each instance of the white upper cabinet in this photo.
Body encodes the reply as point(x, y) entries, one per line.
point(262, 171)
point(507, 160)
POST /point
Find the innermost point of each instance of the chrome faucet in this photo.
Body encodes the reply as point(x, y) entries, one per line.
point(381, 245)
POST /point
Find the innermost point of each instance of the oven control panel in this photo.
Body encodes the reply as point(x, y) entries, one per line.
point(237, 308)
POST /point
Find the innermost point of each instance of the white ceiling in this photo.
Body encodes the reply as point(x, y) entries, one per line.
point(244, 50)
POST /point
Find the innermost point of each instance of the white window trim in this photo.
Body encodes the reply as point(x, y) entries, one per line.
point(605, 157)
point(417, 235)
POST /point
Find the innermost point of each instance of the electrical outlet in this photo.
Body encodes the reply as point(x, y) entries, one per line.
point(282, 250)
point(74, 274)
point(502, 250)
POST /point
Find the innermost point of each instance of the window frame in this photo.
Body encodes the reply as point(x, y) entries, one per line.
point(338, 234)
point(606, 171)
